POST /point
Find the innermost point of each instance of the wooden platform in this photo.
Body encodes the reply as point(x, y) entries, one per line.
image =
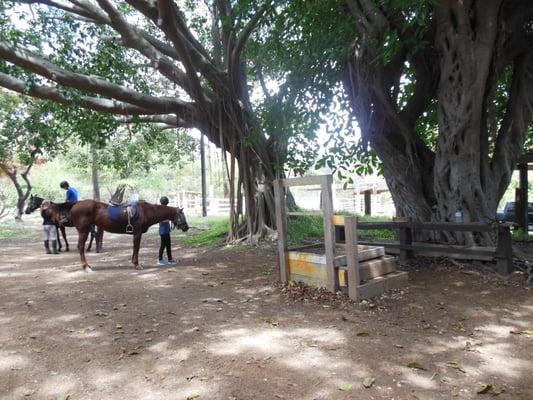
point(362, 270)
point(377, 271)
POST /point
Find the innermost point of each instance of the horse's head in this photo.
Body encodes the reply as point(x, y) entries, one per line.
point(179, 220)
point(50, 209)
point(34, 203)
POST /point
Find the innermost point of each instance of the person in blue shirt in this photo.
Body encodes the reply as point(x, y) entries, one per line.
point(72, 194)
point(164, 233)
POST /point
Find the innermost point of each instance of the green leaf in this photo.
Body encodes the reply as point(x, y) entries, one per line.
point(415, 365)
point(363, 333)
point(369, 381)
point(345, 388)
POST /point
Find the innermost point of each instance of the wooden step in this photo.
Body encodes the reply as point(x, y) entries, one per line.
point(315, 254)
point(379, 285)
point(374, 268)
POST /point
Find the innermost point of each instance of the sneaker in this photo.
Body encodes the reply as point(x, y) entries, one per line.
point(172, 261)
point(161, 262)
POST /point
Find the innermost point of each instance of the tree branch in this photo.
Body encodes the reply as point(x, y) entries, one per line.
point(90, 83)
point(132, 38)
point(91, 103)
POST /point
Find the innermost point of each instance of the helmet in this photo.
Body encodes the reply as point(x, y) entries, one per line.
point(164, 200)
point(63, 185)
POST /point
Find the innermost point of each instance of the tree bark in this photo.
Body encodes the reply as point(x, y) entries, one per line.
point(94, 173)
point(22, 192)
point(469, 45)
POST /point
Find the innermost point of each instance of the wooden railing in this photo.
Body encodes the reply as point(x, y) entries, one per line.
point(502, 253)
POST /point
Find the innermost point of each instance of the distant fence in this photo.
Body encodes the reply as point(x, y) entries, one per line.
point(193, 205)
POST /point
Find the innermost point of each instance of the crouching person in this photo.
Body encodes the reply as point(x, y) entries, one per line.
point(49, 229)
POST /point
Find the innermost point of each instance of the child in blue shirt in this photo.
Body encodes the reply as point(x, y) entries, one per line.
point(164, 233)
point(72, 193)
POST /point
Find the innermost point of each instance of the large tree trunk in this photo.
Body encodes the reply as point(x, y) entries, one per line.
point(256, 172)
point(469, 46)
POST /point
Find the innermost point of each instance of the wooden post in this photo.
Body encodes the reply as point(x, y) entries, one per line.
point(202, 171)
point(368, 202)
point(281, 225)
point(406, 238)
point(329, 232)
point(504, 250)
point(521, 207)
point(352, 258)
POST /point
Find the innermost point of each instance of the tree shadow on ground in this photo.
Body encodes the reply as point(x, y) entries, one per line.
point(216, 326)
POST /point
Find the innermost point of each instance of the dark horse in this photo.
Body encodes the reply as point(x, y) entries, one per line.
point(36, 202)
point(86, 213)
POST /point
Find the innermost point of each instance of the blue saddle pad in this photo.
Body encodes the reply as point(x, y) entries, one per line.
point(120, 214)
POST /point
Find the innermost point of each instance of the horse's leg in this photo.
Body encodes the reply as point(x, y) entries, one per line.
point(58, 239)
point(64, 234)
point(91, 239)
point(99, 239)
point(82, 238)
point(136, 245)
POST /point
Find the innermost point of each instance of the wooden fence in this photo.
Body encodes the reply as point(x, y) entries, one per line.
point(502, 253)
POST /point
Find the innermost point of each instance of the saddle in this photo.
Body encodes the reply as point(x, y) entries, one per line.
point(124, 213)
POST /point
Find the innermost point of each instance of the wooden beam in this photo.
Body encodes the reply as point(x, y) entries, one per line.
point(368, 202)
point(522, 206)
point(352, 258)
point(525, 158)
point(329, 231)
point(303, 213)
point(304, 181)
point(281, 224)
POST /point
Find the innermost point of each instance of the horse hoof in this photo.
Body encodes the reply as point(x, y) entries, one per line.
point(138, 266)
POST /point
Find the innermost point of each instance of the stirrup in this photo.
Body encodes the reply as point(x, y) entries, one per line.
point(129, 227)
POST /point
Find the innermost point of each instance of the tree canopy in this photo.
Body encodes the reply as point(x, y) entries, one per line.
point(439, 90)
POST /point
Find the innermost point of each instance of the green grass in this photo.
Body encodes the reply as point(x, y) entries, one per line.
point(211, 231)
point(310, 227)
point(521, 236)
point(15, 230)
point(204, 232)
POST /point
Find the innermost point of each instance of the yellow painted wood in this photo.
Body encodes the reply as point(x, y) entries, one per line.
point(310, 272)
point(338, 220)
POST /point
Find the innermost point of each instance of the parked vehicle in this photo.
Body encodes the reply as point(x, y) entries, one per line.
point(509, 211)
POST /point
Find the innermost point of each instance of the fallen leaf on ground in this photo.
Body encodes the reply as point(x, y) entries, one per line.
point(99, 313)
point(193, 396)
point(65, 396)
point(455, 364)
point(490, 389)
point(524, 332)
point(345, 388)
point(415, 365)
point(369, 381)
point(363, 333)
point(271, 322)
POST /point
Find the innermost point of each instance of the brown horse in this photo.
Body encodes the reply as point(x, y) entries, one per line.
point(89, 212)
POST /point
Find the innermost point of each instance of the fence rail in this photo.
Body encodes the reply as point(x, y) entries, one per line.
point(502, 253)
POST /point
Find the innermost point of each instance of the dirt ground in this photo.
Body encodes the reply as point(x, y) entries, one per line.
point(216, 326)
